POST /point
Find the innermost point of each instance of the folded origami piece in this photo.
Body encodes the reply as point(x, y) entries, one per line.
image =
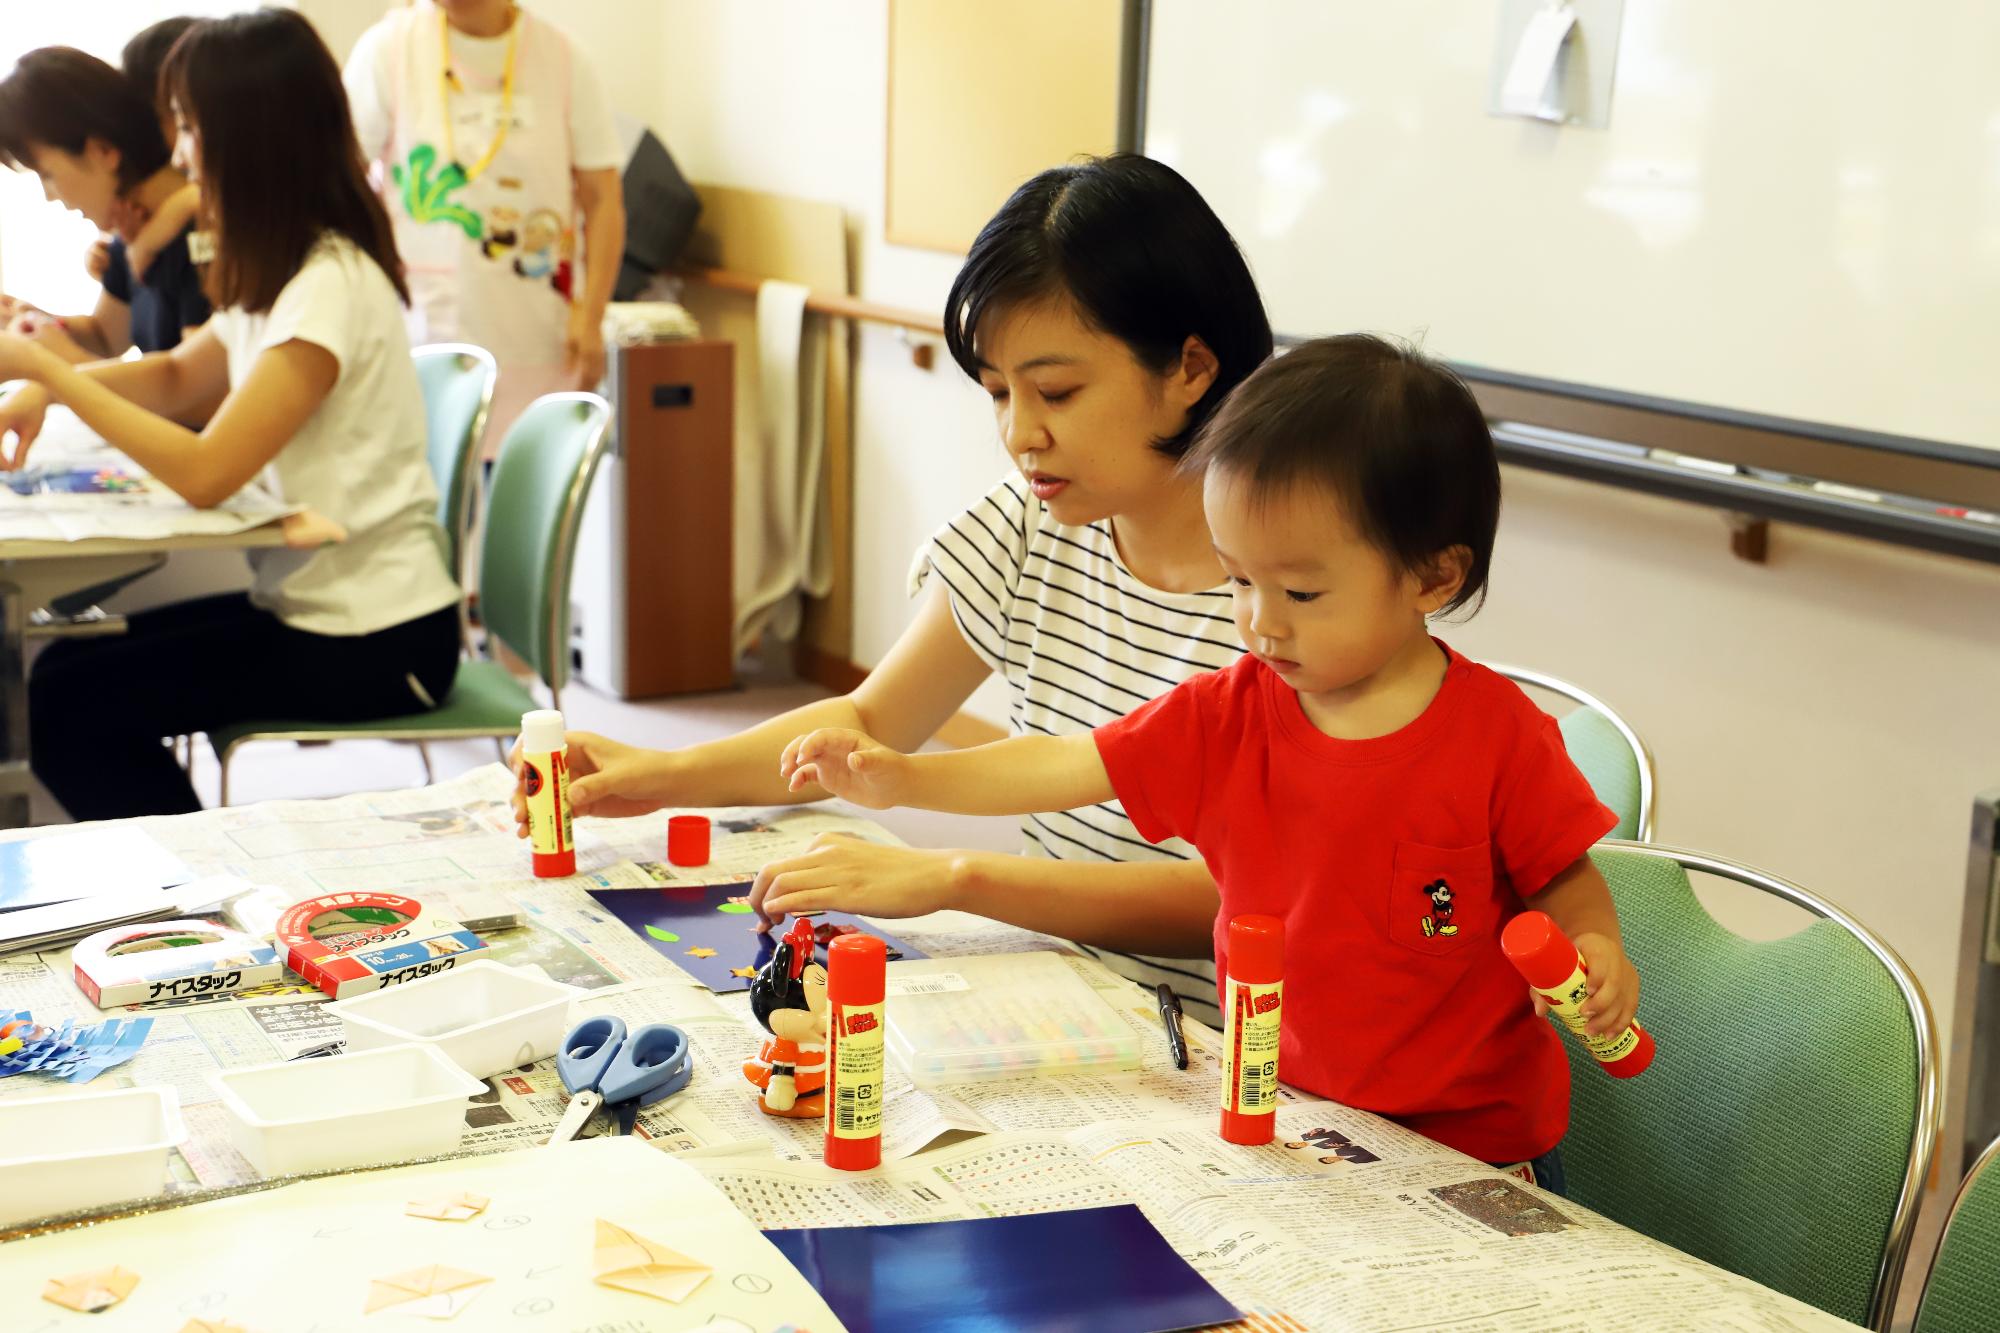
point(93, 1292)
point(435, 1292)
point(647, 1268)
point(458, 1207)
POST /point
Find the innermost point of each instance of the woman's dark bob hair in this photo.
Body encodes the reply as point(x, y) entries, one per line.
point(1139, 253)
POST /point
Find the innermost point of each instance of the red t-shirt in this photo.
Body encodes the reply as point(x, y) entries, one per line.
point(1397, 997)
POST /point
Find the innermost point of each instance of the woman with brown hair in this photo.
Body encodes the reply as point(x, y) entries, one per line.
point(322, 406)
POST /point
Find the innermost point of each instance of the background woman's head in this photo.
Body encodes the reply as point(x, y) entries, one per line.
point(1107, 310)
point(265, 131)
point(143, 58)
point(83, 127)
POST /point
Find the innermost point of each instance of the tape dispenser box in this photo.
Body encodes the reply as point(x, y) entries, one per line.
point(353, 943)
point(170, 960)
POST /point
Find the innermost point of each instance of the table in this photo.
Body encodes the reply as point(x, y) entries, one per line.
point(1403, 1234)
point(36, 574)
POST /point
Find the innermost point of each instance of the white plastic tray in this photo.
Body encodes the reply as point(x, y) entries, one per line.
point(484, 1016)
point(385, 1105)
point(89, 1149)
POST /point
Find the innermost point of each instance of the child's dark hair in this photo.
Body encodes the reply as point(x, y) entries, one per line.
point(1396, 436)
point(146, 53)
point(1140, 253)
point(62, 98)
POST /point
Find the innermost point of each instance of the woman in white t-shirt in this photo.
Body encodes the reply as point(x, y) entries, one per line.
point(1106, 311)
point(322, 408)
point(498, 153)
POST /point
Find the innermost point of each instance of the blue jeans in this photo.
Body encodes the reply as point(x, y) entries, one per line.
point(1548, 1169)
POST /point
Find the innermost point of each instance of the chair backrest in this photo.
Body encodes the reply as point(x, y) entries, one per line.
point(457, 380)
point(1960, 1295)
point(1605, 748)
point(533, 511)
point(1786, 1127)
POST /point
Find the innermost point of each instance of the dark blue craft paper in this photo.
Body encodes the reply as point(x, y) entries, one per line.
point(1094, 1270)
point(690, 912)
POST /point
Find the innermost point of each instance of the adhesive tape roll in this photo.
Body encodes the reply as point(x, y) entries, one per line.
point(170, 960)
point(350, 943)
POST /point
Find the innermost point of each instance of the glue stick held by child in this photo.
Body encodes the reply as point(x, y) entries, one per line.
point(1392, 802)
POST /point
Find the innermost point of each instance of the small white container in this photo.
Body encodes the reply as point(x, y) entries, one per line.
point(85, 1151)
point(485, 1016)
point(385, 1105)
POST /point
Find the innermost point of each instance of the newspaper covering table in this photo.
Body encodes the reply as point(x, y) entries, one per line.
point(1345, 1221)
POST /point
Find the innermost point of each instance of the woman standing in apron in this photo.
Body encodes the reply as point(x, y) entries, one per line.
point(495, 139)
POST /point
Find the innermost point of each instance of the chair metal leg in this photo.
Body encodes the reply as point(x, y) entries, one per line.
point(500, 748)
point(222, 797)
point(430, 774)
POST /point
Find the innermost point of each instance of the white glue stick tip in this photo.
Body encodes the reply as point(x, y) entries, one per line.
point(542, 731)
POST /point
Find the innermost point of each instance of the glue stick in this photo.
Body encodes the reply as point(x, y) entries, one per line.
point(1550, 963)
point(1252, 991)
point(854, 988)
point(545, 777)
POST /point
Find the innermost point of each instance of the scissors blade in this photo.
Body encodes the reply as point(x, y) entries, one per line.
point(581, 1108)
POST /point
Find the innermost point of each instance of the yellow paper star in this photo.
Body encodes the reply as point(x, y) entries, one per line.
point(742, 971)
point(699, 952)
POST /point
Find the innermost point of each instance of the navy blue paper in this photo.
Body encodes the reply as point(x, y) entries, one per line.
point(1093, 1270)
point(710, 931)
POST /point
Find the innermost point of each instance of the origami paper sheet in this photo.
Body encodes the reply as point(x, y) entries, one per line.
point(647, 1268)
point(435, 1291)
point(458, 1207)
point(69, 1052)
point(212, 1326)
point(93, 1292)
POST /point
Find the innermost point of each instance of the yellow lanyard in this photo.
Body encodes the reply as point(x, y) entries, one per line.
point(448, 81)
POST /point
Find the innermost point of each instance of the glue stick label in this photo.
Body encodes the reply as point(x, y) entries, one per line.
point(1250, 1022)
point(545, 781)
point(1566, 1002)
point(855, 1109)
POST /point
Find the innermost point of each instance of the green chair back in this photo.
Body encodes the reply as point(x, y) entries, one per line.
point(457, 380)
point(1605, 748)
point(1786, 1126)
point(534, 508)
point(1961, 1295)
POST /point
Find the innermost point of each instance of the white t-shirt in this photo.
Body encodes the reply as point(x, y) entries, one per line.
point(1080, 642)
point(359, 459)
point(593, 136)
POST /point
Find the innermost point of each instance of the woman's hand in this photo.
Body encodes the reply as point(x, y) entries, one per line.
point(845, 763)
point(583, 344)
point(607, 779)
point(21, 414)
point(97, 258)
point(843, 873)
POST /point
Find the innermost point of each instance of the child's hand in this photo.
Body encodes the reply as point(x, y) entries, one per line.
point(1614, 986)
point(97, 258)
point(845, 763)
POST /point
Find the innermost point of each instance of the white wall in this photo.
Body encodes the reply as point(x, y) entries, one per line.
point(792, 97)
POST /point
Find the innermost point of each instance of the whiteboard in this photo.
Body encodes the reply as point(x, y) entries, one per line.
point(1795, 209)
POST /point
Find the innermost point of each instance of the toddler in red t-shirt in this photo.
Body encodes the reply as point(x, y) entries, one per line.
point(1391, 801)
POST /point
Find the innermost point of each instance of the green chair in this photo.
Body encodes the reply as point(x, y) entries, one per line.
point(534, 509)
point(1961, 1295)
point(1607, 750)
point(1786, 1127)
point(457, 380)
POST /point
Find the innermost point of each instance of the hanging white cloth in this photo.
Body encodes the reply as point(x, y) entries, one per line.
point(784, 539)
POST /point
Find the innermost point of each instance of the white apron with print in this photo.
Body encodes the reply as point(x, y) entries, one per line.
point(489, 259)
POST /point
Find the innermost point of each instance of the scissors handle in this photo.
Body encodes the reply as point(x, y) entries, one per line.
point(652, 1064)
point(581, 1108)
point(588, 1051)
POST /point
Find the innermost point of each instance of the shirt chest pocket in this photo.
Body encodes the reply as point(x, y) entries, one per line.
point(1441, 898)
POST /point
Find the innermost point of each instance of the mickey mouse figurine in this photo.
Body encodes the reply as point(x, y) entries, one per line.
point(789, 998)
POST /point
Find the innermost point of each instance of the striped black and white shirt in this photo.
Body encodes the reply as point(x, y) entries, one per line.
point(1080, 642)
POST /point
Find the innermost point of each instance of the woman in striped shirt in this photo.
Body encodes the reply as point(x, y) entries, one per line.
point(1106, 311)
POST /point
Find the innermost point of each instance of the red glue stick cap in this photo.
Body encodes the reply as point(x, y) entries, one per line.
point(1257, 949)
point(856, 969)
point(687, 840)
point(1539, 951)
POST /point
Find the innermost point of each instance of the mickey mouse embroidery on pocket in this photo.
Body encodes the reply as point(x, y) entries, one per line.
point(1438, 920)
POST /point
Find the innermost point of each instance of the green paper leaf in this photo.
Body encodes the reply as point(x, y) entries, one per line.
point(664, 936)
point(734, 909)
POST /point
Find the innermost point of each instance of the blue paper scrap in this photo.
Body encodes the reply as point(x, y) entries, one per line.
point(76, 1055)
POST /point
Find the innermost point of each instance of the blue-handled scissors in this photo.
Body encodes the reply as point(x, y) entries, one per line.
point(604, 1066)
